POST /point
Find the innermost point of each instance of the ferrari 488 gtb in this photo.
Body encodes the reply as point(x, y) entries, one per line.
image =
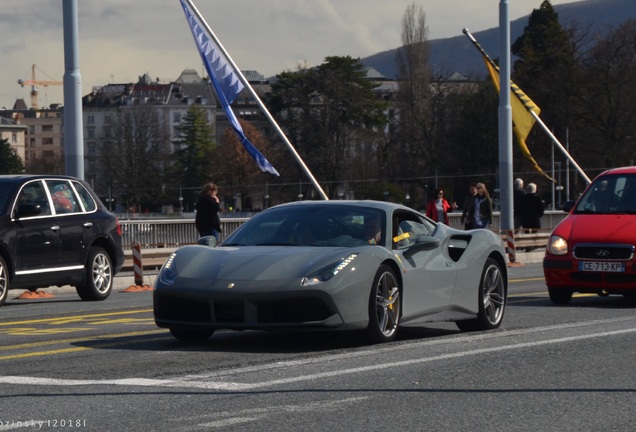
point(334, 265)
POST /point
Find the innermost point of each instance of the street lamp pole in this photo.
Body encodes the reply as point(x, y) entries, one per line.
point(180, 201)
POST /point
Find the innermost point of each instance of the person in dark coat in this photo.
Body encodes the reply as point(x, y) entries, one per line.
point(532, 209)
point(207, 220)
point(466, 221)
point(481, 210)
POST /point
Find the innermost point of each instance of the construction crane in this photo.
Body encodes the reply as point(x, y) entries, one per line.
point(34, 89)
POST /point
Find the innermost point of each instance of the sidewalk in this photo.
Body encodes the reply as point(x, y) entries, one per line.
point(536, 256)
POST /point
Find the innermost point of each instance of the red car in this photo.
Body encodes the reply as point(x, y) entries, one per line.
point(592, 249)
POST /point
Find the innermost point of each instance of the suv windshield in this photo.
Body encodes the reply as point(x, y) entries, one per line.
point(610, 194)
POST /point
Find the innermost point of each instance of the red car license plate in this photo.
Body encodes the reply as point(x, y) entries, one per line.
point(601, 266)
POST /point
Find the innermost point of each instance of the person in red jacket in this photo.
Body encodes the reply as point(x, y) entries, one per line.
point(438, 208)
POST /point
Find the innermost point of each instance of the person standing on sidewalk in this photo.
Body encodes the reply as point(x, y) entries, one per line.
point(466, 221)
point(518, 203)
point(207, 220)
point(438, 208)
point(533, 209)
point(481, 210)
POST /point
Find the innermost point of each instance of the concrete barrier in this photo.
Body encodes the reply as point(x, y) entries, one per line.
point(530, 249)
point(151, 258)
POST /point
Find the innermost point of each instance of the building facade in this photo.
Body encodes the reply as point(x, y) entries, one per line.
point(14, 133)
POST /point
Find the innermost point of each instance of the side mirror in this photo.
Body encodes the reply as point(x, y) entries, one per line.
point(28, 210)
point(422, 243)
point(568, 206)
point(207, 241)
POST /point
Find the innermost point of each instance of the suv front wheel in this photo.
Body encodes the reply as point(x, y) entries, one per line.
point(4, 282)
point(98, 280)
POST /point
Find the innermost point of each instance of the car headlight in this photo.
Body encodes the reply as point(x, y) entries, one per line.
point(168, 273)
point(326, 273)
point(557, 245)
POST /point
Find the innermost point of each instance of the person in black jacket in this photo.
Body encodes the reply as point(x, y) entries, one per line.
point(518, 194)
point(481, 210)
point(207, 220)
point(532, 209)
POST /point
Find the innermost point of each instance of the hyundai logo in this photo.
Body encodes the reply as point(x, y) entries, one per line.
point(602, 253)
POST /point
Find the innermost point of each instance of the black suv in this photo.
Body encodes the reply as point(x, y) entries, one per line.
point(55, 231)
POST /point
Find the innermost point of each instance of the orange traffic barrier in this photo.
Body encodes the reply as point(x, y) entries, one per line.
point(137, 271)
point(28, 295)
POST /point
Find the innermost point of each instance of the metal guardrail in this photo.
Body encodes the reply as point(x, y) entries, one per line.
point(164, 233)
point(171, 233)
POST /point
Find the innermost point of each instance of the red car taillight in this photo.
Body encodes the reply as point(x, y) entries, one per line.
point(118, 225)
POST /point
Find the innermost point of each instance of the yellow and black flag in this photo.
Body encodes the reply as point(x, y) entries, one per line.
point(522, 119)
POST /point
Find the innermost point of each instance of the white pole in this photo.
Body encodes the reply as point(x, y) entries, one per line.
point(553, 183)
point(73, 132)
point(560, 146)
point(567, 165)
point(505, 121)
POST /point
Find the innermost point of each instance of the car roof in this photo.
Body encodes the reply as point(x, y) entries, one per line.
point(381, 205)
point(20, 178)
point(620, 170)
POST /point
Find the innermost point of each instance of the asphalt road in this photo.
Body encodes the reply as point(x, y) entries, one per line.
point(105, 366)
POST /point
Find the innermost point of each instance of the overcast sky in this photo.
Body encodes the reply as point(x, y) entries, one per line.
point(123, 39)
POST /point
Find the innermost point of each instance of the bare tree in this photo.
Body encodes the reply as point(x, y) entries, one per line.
point(236, 172)
point(416, 122)
point(135, 159)
point(607, 105)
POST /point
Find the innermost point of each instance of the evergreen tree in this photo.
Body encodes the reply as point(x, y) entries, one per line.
point(196, 148)
point(329, 110)
point(10, 162)
point(546, 68)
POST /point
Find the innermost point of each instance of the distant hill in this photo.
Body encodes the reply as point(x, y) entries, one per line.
point(457, 54)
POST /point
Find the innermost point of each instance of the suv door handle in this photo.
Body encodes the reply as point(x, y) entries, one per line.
point(88, 224)
point(55, 228)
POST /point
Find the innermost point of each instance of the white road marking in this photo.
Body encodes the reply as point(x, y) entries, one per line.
point(230, 418)
point(205, 382)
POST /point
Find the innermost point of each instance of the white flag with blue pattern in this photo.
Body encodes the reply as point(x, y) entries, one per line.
point(225, 81)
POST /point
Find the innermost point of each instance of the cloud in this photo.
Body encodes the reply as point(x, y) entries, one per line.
point(122, 39)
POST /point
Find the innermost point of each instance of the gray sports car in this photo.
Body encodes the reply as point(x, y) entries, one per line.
point(334, 265)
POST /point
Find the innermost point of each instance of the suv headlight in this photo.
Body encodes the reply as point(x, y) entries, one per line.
point(326, 273)
point(557, 245)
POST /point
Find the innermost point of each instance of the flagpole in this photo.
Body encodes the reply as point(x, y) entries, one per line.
point(534, 115)
point(260, 103)
point(560, 146)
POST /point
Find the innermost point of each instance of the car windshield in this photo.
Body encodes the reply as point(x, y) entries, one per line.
point(610, 194)
point(312, 225)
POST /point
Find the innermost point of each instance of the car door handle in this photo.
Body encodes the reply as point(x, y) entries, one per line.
point(88, 224)
point(55, 228)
